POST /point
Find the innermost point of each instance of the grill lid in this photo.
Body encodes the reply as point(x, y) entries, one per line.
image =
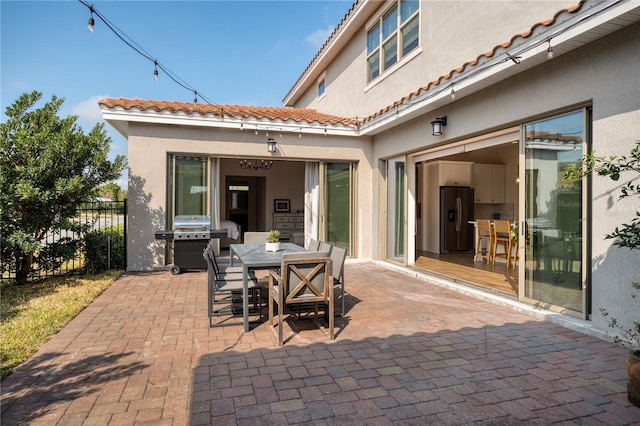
point(191, 222)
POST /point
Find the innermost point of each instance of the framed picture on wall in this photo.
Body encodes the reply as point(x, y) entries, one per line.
point(281, 206)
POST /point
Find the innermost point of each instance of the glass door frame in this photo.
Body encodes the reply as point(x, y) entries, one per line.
point(585, 264)
point(408, 209)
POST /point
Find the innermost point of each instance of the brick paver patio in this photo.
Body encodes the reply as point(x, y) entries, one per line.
point(408, 352)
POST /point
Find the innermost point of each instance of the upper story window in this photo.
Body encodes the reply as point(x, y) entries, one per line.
point(392, 36)
point(321, 85)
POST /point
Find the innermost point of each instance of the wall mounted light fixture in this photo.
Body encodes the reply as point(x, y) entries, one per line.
point(271, 145)
point(437, 125)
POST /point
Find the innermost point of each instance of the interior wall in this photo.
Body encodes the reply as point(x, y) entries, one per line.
point(285, 180)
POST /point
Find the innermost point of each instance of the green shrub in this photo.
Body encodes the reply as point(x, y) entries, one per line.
point(98, 257)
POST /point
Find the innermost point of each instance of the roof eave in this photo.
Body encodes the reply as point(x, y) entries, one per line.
point(119, 118)
point(355, 18)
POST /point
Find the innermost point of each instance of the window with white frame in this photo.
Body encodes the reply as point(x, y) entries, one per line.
point(392, 36)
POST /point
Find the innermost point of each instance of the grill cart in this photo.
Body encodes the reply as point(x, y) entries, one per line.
point(190, 236)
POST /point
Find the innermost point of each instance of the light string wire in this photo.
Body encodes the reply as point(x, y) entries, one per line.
point(142, 52)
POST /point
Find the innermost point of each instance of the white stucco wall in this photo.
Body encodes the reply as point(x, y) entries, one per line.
point(451, 32)
point(603, 74)
point(149, 146)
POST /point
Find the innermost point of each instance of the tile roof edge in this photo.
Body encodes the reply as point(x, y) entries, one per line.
point(239, 111)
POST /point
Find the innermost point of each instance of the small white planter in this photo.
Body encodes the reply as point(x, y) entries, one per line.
point(272, 246)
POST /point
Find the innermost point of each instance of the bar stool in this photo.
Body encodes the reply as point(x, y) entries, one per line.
point(484, 233)
point(502, 236)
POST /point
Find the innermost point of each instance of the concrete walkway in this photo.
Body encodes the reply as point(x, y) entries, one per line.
point(408, 352)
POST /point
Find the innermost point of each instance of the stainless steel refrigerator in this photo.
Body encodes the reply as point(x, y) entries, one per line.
point(456, 210)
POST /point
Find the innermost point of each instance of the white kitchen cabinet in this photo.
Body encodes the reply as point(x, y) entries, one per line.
point(488, 181)
point(454, 173)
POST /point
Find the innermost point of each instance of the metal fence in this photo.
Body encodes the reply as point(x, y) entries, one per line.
point(109, 243)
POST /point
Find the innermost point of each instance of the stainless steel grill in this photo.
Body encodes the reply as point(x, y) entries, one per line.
point(190, 236)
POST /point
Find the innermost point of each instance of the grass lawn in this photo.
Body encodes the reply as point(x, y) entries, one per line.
point(30, 314)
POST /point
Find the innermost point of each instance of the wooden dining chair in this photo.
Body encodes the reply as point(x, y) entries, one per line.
point(501, 236)
point(302, 278)
point(484, 235)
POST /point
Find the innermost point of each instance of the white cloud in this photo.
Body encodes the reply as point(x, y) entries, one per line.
point(317, 38)
point(88, 110)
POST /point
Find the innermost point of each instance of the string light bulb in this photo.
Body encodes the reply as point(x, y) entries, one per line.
point(453, 93)
point(91, 21)
point(155, 70)
point(549, 50)
point(195, 96)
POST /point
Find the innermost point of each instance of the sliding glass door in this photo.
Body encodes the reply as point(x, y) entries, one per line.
point(554, 274)
point(337, 204)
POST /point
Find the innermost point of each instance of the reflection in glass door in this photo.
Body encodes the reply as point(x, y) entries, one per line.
point(396, 192)
point(337, 203)
point(554, 213)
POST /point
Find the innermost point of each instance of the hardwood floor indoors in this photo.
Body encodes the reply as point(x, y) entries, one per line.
point(463, 268)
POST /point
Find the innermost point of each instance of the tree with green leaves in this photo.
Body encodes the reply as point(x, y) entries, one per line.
point(48, 167)
point(112, 190)
point(627, 234)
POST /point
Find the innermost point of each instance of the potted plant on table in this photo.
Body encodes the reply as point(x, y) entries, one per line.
point(626, 235)
point(273, 241)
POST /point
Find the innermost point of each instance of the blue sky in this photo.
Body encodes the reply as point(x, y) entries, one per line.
point(232, 52)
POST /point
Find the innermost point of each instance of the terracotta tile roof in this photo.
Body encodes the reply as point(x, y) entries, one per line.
point(238, 111)
point(526, 34)
point(311, 115)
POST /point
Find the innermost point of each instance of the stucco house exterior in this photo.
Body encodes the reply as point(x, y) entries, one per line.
point(519, 90)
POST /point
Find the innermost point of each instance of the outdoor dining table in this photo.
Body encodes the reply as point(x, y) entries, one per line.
point(253, 257)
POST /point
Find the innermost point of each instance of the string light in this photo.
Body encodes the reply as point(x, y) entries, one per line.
point(139, 50)
point(358, 123)
point(91, 21)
